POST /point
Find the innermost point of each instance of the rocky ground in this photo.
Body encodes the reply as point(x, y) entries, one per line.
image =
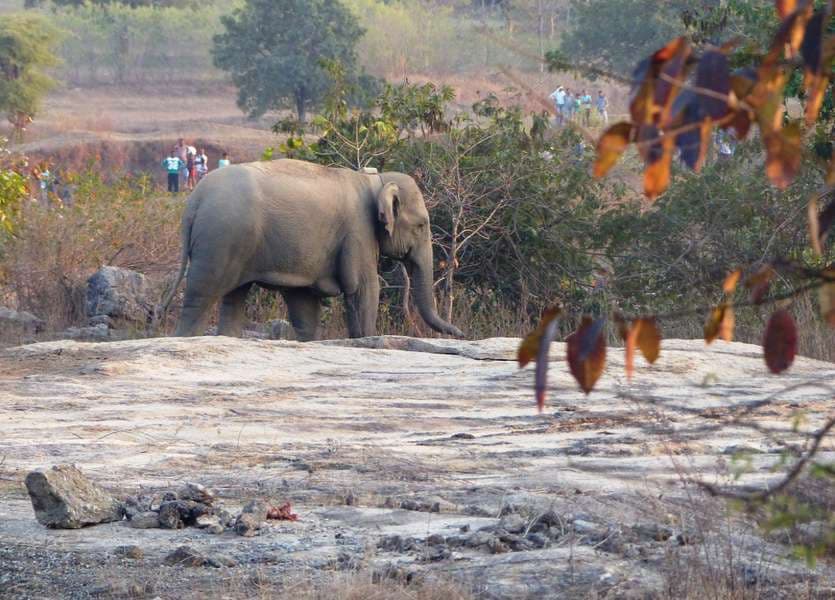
point(409, 459)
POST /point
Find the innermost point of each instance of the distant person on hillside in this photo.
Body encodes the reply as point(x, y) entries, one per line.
point(585, 108)
point(224, 161)
point(558, 96)
point(172, 164)
point(191, 167)
point(603, 107)
point(181, 152)
point(201, 164)
point(570, 105)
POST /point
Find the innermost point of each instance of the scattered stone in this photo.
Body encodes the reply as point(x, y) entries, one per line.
point(479, 538)
point(509, 509)
point(436, 553)
point(63, 498)
point(218, 560)
point(215, 529)
point(169, 516)
point(20, 320)
point(136, 505)
point(134, 552)
point(396, 543)
point(462, 436)
point(204, 521)
point(226, 517)
point(247, 525)
point(513, 523)
point(100, 320)
point(350, 499)
point(538, 540)
point(145, 520)
point(257, 508)
point(120, 294)
point(389, 503)
point(185, 556)
point(98, 332)
point(496, 546)
point(652, 531)
point(196, 493)
point(436, 539)
point(477, 511)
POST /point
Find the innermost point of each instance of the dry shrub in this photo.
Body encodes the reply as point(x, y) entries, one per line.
point(45, 266)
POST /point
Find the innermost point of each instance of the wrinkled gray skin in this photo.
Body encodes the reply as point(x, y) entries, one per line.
point(308, 232)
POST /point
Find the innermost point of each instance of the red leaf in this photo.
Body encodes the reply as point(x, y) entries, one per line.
point(282, 513)
point(780, 341)
point(587, 352)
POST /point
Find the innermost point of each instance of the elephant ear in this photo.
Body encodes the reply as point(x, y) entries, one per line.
point(388, 203)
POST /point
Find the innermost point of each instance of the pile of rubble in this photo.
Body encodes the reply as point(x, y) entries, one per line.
point(63, 498)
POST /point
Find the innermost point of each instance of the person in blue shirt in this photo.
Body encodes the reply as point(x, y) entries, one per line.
point(603, 107)
point(172, 164)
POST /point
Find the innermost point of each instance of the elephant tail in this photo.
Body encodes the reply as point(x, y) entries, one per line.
point(188, 222)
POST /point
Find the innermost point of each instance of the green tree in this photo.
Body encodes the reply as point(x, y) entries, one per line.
point(26, 49)
point(275, 51)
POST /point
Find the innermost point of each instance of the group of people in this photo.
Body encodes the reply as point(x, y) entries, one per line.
point(571, 106)
point(188, 164)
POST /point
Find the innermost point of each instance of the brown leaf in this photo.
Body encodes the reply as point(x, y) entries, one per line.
point(759, 282)
point(610, 147)
point(529, 348)
point(826, 297)
point(649, 339)
point(586, 349)
point(783, 155)
point(657, 173)
point(720, 323)
point(726, 326)
point(780, 341)
point(731, 281)
point(816, 58)
point(790, 34)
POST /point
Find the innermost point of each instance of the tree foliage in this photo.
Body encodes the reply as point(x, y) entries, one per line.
point(274, 52)
point(27, 44)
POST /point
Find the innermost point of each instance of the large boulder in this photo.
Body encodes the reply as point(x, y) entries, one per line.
point(19, 320)
point(119, 294)
point(63, 498)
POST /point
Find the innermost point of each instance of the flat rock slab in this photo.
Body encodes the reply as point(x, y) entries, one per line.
point(350, 431)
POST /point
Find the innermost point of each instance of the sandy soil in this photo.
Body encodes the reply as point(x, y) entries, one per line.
point(350, 431)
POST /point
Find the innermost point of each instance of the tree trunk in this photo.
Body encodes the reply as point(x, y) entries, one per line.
point(300, 102)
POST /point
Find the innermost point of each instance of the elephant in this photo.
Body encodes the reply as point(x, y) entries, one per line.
point(307, 231)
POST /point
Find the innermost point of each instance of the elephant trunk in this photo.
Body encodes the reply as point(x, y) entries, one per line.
point(420, 269)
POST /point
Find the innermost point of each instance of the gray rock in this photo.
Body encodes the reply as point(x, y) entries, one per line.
point(120, 294)
point(436, 553)
point(145, 520)
point(99, 332)
point(227, 518)
point(196, 493)
point(134, 552)
point(63, 498)
point(436, 539)
point(122, 589)
point(479, 538)
point(218, 560)
point(247, 525)
point(215, 529)
point(256, 508)
point(513, 523)
point(279, 329)
point(136, 505)
point(185, 556)
point(170, 516)
point(538, 540)
point(204, 521)
point(100, 320)
point(20, 320)
point(652, 531)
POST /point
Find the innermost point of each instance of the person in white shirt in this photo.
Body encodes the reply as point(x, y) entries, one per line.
point(558, 96)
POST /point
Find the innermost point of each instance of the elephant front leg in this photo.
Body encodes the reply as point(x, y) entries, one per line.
point(232, 315)
point(361, 309)
point(305, 310)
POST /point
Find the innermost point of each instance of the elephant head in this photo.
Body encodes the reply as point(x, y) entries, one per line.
point(405, 235)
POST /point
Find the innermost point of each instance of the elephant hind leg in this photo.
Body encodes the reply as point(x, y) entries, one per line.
point(304, 309)
point(232, 306)
point(194, 316)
